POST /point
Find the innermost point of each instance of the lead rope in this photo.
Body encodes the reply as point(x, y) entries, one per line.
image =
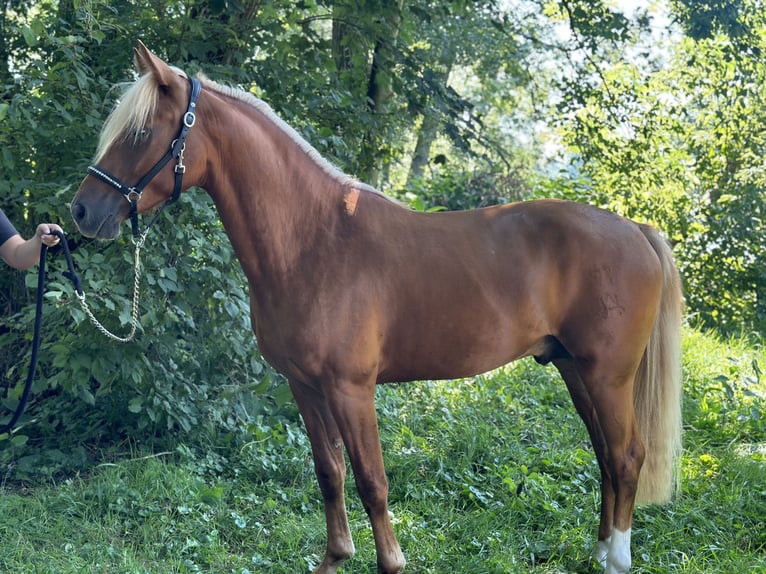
point(134, 306)
point(71, 274)
point(8, 427)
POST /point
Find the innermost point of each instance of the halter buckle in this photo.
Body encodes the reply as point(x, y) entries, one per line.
point(133, 195)
point(189, 119)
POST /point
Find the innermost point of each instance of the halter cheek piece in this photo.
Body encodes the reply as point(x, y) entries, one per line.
point(176, 151)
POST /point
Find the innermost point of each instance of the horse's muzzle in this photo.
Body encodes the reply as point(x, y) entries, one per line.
point(96, 223)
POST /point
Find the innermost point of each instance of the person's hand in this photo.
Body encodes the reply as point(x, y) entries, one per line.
point(44, 232)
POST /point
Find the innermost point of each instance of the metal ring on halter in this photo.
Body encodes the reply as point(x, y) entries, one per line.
point(133, 195)
point(189, 119)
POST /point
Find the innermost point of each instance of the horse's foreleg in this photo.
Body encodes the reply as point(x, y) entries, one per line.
point(354, 409)
point(330, 468)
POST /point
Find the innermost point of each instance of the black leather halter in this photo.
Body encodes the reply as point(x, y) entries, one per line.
point(176, 151)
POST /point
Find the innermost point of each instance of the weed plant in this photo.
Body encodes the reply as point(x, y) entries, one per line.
point(493, 474)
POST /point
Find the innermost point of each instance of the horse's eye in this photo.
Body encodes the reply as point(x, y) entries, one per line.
point(142, 135)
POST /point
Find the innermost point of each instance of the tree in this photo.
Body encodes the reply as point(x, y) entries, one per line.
point(677, 142)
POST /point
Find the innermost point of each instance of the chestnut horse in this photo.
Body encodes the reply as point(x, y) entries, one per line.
point(349, 289)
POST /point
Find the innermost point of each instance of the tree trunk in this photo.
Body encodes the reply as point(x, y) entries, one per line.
point(341, 51)
point(426, 135)
point(379, 92)
point(4, 55)
point(429, 128)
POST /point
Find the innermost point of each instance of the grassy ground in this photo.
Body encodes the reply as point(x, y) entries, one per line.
point(490, 475)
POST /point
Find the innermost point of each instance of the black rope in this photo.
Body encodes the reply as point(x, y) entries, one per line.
point(72, 276)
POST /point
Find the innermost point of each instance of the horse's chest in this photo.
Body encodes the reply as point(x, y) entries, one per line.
point(287, 345)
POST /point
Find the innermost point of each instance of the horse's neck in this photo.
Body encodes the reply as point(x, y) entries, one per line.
point(275, 203)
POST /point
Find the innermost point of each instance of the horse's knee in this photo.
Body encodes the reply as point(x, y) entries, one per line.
point(331, 481)
point(330, 471)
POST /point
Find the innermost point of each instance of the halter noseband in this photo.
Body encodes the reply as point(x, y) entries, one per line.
point(133, 194)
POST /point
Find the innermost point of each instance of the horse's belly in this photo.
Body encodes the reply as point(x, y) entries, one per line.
point(455, 354)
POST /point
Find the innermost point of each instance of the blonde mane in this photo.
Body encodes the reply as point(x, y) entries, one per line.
point(131, 113)
point(139, 103)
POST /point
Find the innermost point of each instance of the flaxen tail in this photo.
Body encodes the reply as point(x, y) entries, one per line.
point(657, 391)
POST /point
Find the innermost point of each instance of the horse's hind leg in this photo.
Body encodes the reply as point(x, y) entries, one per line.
point(606, 407)
point(613, 403)
point(585, 409)
point(330, 468)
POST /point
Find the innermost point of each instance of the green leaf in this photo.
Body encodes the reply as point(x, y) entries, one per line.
point(29, 36)
point(86, 396)
point(19, 440)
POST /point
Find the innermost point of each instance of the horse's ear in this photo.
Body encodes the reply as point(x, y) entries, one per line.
point(148, 63)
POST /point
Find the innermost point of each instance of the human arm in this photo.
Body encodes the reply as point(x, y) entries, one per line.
point(22, 253)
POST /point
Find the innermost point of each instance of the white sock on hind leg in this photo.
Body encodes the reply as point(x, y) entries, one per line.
point(618, 560)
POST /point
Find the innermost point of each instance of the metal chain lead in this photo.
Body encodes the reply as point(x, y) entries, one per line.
point(134, 307)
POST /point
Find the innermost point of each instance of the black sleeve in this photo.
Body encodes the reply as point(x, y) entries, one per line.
point(7, 230)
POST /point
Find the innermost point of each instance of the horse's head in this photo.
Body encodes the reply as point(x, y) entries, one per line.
point(143, 152)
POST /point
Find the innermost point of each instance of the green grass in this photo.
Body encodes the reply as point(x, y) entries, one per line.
point(489, 475)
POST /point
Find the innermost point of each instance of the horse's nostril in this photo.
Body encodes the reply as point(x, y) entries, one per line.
point(78, 211)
